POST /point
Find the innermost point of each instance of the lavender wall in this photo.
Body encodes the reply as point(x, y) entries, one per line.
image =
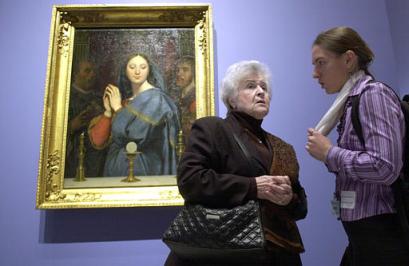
point(278, 33)
point(398, 13)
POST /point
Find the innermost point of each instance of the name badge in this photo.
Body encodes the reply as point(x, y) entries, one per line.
point(348, 199)
point(335, 204)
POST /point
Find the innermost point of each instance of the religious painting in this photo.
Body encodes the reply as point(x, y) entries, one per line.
point(124, 85)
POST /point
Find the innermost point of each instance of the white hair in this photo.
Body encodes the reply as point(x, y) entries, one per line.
point(236, 73)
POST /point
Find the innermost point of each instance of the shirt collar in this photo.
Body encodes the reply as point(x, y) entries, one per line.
point(358, 86)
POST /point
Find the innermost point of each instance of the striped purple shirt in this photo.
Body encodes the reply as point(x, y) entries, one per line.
point(369, 171)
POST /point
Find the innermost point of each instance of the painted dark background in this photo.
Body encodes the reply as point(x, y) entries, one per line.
point(109, 48)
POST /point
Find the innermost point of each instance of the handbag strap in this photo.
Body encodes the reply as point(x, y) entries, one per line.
point(239, 142)
point(242, 147)
point(255, 165)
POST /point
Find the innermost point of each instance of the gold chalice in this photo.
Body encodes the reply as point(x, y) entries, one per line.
point(131, 153)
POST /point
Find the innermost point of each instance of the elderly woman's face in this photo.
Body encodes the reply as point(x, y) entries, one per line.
point(253, 97)
point(137, 70)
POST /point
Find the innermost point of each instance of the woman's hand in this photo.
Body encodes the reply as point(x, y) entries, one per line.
point(107, 105)
point(276, 189)
point(114, 96)
point(317, 145)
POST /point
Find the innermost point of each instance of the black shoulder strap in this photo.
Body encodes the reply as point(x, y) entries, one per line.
point(255, 165)
point(242, 147)
point(356, 123)
point(405, 110)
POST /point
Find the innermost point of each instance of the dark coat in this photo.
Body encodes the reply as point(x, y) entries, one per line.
point(214, 171)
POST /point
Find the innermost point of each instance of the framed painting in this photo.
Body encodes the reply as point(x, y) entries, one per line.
point(123, 86)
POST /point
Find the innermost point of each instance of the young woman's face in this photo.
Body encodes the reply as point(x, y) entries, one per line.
point(253, 97)
point(331, 70)
point(137, 70)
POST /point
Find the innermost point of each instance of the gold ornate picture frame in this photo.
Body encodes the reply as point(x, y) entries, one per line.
point(93, 41)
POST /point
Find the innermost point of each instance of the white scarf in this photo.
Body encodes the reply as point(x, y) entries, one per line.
point(334, 113)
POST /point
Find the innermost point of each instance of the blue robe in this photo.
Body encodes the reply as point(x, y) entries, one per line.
point(151, 121)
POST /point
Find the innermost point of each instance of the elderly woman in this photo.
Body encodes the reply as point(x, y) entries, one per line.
point(219, 172)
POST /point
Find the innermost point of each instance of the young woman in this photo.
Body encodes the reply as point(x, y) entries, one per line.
point(364, 171)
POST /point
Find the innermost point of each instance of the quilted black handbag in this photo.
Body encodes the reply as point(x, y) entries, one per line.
point(198, 232)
